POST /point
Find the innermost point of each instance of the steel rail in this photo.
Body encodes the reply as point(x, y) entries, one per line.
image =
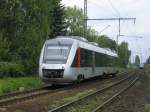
point(116, 95)
point(8, 95)
point(58, 109)
point(12, 100)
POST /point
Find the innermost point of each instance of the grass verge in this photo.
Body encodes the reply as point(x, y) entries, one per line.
point(79, 95)
point(8, 85)
point(147, 108)
point(72, 98)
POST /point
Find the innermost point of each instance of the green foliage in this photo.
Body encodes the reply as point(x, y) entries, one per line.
point(24, 27)
point(148, 60)
point(8, 85)
point(147, 108)
point(57, 15)
point(11, 69)
point(4, 48)
point(75, 21)
point(124, 54)
point(106, 42)
point(79, 95)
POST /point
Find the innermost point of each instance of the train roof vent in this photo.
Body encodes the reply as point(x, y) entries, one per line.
point(79, 38)
point(94, 43)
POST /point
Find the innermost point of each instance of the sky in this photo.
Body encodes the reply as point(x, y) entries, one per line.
point(137, 35)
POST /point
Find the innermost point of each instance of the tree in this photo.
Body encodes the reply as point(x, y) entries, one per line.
point(4, 48)
point(148, 60)
point(24, 27)
point(57, 16)
point(137, 61)
point(36, 30)
point(106, 42)
point(124, 54)
point(75, 23)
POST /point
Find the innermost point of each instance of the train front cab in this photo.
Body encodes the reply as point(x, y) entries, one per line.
point(54, 61)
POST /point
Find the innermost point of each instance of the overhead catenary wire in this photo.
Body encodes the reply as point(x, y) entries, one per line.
point(103, 8)
point(114, 8)
point(97, 4)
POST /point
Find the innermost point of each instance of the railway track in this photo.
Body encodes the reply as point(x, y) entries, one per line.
point(101, 106)
point(21, 92)
point(17, 97)
point(101, 97)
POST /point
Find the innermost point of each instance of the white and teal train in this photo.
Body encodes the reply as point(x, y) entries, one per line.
point(70, 59)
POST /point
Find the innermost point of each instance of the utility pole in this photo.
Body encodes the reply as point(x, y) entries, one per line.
point(85, 19)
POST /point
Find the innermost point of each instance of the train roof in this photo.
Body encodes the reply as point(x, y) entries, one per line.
point(84, 43)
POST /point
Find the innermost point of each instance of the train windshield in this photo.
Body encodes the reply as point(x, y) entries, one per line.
point(55, 54)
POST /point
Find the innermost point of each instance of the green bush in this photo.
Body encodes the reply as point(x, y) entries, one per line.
point(8, 69)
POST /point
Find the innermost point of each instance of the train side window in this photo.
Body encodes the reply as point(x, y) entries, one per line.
point(112, 61)
point(86, 58)
point(101, 60)
point(98, 60)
